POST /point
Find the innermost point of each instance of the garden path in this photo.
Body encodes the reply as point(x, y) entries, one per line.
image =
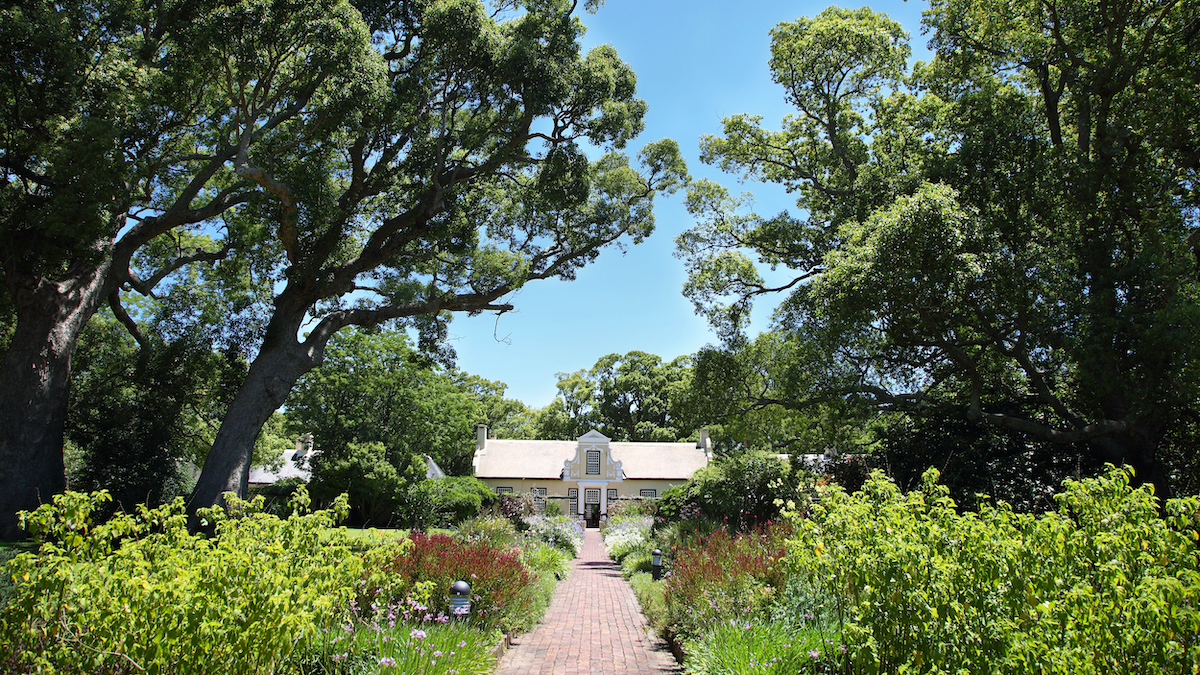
point(593, 625)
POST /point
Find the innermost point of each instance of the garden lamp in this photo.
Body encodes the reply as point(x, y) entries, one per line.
point(460, 599)
point(656, 564)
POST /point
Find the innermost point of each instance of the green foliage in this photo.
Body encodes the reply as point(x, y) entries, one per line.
point(1007, 231)
point(376, 408)
point(740, 491)
point(136, 412)
point(139, 593)
point(445, 501)
point(497, 531)
point(649, 595)
point(634, 397)
point(1101, 585)
point(505, 593)
point(547, 560)
point(742, 647)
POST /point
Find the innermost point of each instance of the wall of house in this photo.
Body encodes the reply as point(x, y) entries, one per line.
point(556, 490)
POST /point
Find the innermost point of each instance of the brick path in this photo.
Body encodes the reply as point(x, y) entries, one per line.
point(593, 625)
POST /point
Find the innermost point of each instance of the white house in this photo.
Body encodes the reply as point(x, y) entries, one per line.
point(586, 474)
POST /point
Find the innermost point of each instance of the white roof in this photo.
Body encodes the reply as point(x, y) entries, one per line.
point(545, 459)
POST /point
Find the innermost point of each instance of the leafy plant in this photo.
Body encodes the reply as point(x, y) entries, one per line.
point(138, 593)
point(1104, 584)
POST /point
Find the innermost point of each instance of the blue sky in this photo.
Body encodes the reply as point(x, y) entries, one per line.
point(696, 61)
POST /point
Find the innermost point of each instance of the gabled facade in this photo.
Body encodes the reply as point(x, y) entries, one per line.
point(588, 474)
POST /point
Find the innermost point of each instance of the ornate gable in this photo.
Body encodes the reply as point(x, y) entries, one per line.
point(593, 460)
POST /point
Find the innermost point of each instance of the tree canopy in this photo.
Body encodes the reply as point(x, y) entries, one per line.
point(368, 162)
point(1010, 228)
point(631, 397)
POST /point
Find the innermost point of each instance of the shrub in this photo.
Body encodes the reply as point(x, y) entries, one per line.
point(495, 530)
point(621, 542)
point(370, 648)
point(1102, 585)
point(639, 561)
point(545, 559)
point(502, 588)
point(740, 492)
point(725, 576)
point(445, 501)
point(139, 593)
point(561, 532)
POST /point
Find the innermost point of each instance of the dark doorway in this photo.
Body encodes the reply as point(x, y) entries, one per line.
point(591, 514)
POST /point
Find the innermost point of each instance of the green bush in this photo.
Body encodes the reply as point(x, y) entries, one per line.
point(495, 530)
point(545, 559)
point(1102, 585)
point(445, 501)
point(740, 492)
point(505, 593)
point(373, 648)
point(639, 561)
point(138, 593)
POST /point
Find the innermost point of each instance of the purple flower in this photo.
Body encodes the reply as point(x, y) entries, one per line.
point(814, 653)
point(387, 661)
point(417, 634)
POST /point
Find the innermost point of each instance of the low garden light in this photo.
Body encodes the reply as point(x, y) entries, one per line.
point(460, 599)
point(656, 564)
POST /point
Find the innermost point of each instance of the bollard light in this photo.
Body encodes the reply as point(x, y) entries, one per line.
point(656, 564)
point(460, 599)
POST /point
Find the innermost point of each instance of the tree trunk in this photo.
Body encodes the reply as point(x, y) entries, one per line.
point(280, 362)
point(34, 389)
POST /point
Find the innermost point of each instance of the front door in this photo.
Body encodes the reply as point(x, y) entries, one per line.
point(591, 514)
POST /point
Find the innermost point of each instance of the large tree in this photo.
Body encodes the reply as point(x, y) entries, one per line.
point(468, 177)
point(126, 122)
point(371, 160)
point(1010, 228)
point(630, 397)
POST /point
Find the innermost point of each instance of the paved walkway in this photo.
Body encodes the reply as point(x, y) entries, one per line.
point(593, 625)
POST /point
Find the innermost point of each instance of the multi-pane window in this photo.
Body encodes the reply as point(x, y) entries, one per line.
point(573, 496)
point(648, 494)
point(504, 491)
point(591, 495)
point(612, 494)
point(593, 463)
point(539, 498)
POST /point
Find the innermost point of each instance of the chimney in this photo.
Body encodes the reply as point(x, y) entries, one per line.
point(704, 443)
point(480, 437)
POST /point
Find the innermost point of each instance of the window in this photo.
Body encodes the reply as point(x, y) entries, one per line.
point(593, 463)
point(612, 494)
point(503, 491)
point(591, 496)
point(648, 494)
point(539, 498)
point(573, 496)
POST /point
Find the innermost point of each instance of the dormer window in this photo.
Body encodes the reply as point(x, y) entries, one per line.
point(593, 462)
